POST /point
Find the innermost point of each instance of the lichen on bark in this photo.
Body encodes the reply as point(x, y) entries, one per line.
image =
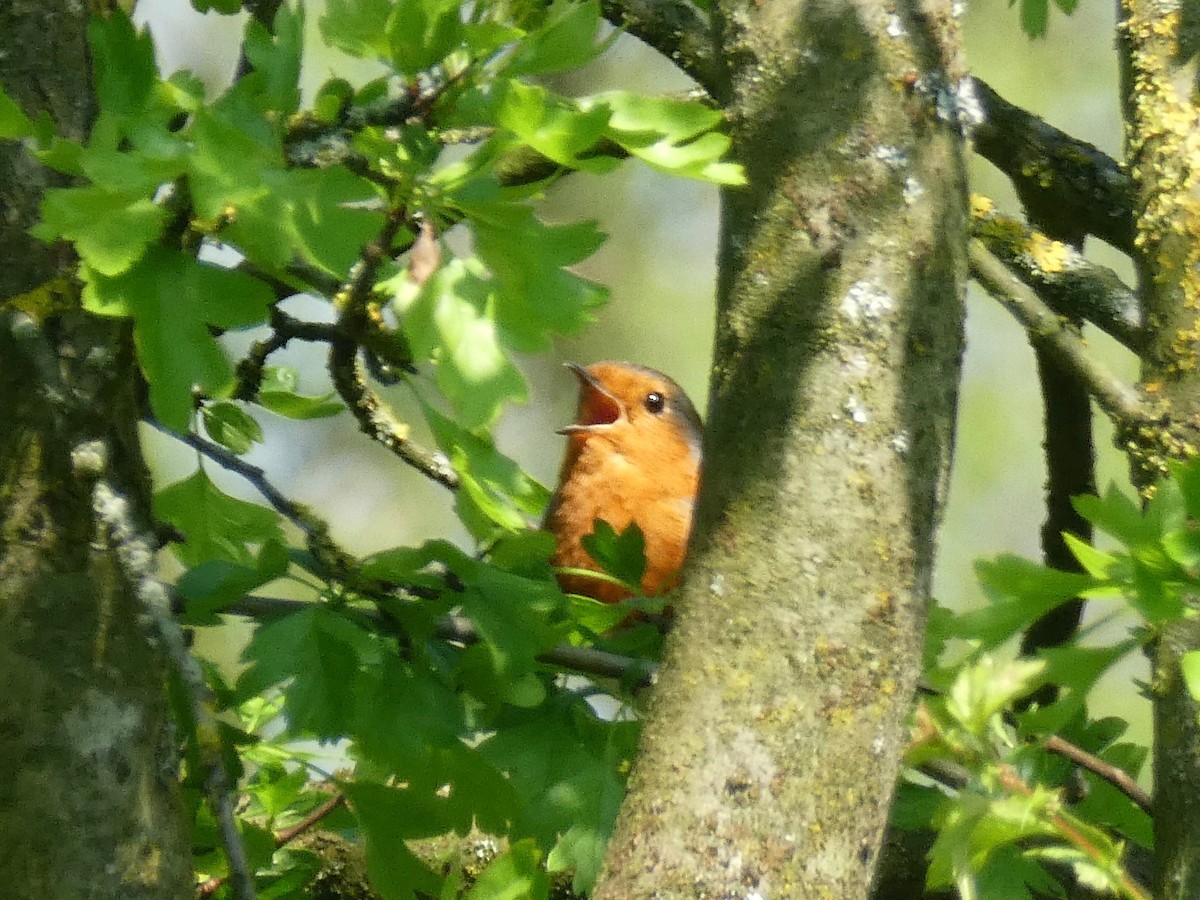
point(773, 739)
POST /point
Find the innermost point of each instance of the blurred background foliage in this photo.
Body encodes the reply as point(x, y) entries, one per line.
point(659, 261)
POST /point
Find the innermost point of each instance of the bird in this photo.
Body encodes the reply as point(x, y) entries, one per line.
point(634, 454)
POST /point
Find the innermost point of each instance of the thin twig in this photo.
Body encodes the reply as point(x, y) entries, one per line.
point(284, 837)
point(375, 417)
point(1011, 780)
point(1118, 399)
point(316, 531)
point(1114, 775)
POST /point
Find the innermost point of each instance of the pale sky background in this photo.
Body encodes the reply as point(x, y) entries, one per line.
point(659, 263)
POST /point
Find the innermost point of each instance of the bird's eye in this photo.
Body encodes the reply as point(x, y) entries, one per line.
point(655, 402)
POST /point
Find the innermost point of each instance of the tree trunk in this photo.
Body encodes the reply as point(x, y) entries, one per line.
point(89, 806)
point(1158, 42)
point(774, 738)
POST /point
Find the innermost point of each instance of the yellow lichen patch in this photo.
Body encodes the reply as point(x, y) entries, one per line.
point(1049, 255)
point(981, 206)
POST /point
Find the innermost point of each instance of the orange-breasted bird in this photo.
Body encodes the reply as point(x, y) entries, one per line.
point(634, 454)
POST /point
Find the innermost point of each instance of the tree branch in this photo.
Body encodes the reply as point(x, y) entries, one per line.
point(1045, 327)
point(1060, 179)
point(1069, 283)
point(638, 673)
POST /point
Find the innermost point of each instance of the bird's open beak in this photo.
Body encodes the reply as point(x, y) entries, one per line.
point(597, 407)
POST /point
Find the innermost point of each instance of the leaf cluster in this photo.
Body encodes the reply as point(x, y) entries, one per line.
point(190, 214)
point(1013, 817)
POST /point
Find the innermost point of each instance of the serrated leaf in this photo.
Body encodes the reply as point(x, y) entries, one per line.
point(422, 33)
point(278, 394)
point(317, 655)
point(535, 297)
point(110, 229)
point(275, 59)
point(1021, 592)
point(1034, 17)
point(173, 300)
point(496, 494)
point(385, 816)
point(124, 64)
point(212, 586)
point(216, 525)
point(224, 7)
point(231, 426)
point(553, 126)
point(568, 768)
point(1118, 516)
point(669, 134)
point(359, 27)
point(623, 555)
point(565, 40)
point(986, 688)
point(451, 324)
point(1075, 670)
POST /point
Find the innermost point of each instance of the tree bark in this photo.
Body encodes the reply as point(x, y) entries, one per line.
point(89, 804)
point(774, 737)
point(1159, 45)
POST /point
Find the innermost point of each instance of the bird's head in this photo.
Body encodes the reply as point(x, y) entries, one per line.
point(632, 406)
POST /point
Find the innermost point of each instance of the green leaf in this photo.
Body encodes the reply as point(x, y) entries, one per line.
point(670, 134)
point(516, 874)
point(317, 655)
point(566, 40)
point(214, 585)
point(383, 814)
point(568, 767)
point(173, 300)
point(110, 229)
point(554, 126)
point(224, 7)
point(231, 426)
point(1075, 670)
point(278, 393)
point(985, 689)
point(535, 297)
point(422, 33)
point(450, 323)
point(495, 494)
point(359, 27)
point(1101, 566)
point(217, 526)
point(1021, 592)
point(413, 565)
point(623, 556)
point(513, 617)
point(1118, 516)
point(1034, 17)
point(14, 124)
point(275, 58)
point(124, 64)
